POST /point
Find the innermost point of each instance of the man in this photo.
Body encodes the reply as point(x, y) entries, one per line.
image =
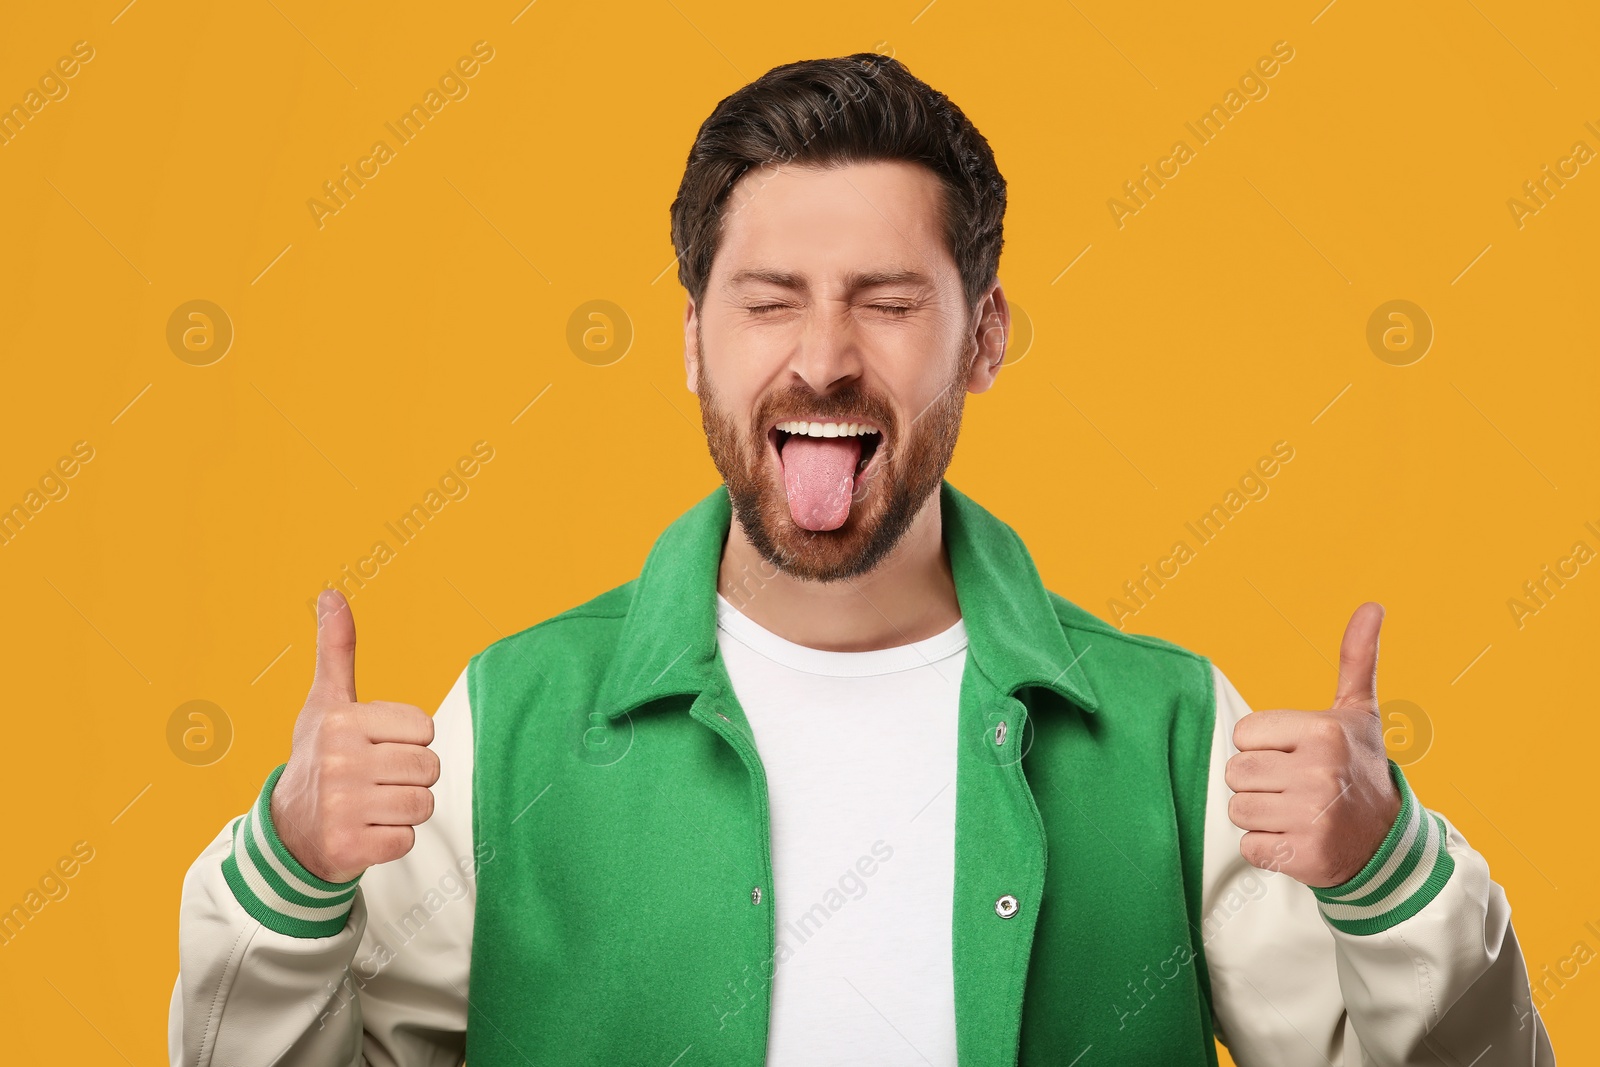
point(836, 779)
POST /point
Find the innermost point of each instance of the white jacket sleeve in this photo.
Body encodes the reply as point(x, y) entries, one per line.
point(277, 966)
point(1411, 962)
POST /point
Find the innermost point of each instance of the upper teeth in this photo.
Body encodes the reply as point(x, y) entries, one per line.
point(827, 429)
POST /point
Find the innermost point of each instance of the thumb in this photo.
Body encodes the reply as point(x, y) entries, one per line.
point(1358, 659)
point(336, 648)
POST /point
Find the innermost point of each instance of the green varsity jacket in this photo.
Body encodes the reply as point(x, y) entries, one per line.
point(595, 883)
point(626, 915)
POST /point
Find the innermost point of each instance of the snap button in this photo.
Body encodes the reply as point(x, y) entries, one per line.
point(755, 895)
point(1000, 733)
point(1006, 906)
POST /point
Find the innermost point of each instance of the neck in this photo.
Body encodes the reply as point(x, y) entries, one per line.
point(909, 596)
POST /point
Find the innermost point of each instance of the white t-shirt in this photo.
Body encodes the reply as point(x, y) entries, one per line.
point(860, 756)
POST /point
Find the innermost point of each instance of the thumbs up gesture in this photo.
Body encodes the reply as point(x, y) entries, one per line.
point(358, 774)
point(1311, 788)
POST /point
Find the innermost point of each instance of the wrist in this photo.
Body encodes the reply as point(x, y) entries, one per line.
point(273, 886)
point(1409, 868)
point(283, 826)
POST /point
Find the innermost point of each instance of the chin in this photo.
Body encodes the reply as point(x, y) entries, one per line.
point(879, 516)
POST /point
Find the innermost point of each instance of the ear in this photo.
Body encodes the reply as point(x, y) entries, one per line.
point(691, 347)
point(991, 331)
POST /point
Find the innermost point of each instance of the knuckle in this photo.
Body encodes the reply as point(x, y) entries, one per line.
point(333, 805)
point(428, 762)
point(366, 717)
point(1247, 765)
point(380, 717)
point(1283, 854)
point(1252, 850)
point(421, 805)
point(424, 724)
point(1326, 730)
point(335, 765)
point(341, 845)
point(336, 721)
point(401, 841)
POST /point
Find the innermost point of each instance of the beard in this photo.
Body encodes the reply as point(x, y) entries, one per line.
point(885, 500)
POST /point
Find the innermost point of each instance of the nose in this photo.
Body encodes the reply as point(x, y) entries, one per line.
point(828, 354)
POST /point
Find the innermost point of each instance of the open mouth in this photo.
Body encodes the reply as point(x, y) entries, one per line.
point(823, 466)
point(869, 434)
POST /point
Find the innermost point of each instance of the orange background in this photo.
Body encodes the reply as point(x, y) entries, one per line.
point(1230, 312)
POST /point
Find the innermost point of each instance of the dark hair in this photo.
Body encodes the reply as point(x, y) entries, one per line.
point(828, 112)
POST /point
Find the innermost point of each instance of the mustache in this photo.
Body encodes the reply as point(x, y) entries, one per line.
point(852, 404)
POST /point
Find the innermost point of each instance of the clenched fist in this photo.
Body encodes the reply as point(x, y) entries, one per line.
point(1312, 788)
point(358, 774)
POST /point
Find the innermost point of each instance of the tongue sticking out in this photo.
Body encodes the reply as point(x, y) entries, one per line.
point(819, 475)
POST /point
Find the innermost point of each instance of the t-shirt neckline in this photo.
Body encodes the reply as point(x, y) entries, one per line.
point(810, 660)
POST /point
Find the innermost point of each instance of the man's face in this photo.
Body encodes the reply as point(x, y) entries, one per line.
point(834, 299)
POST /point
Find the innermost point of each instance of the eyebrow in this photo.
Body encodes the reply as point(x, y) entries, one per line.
point(853, 282)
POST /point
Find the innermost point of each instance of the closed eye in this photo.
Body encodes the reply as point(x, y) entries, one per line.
point(896, 310)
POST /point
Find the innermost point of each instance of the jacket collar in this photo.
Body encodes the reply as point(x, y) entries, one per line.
point(668, 644)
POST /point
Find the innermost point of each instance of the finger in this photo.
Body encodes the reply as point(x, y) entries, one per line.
point(1270, 852)
point(1259, 811)
point(380, 844)
point(399, 764)
point(1278, 729)
point(406, 724)
point(399, 805)
point(1259, 772)
point(336, 648)
point(1358, 659)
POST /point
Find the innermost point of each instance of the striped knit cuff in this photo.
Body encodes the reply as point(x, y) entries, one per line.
point(1408, 870)
point(272, 885)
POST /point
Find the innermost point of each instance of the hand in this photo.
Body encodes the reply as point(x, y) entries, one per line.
point(1312, 788)
point(358, 774)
